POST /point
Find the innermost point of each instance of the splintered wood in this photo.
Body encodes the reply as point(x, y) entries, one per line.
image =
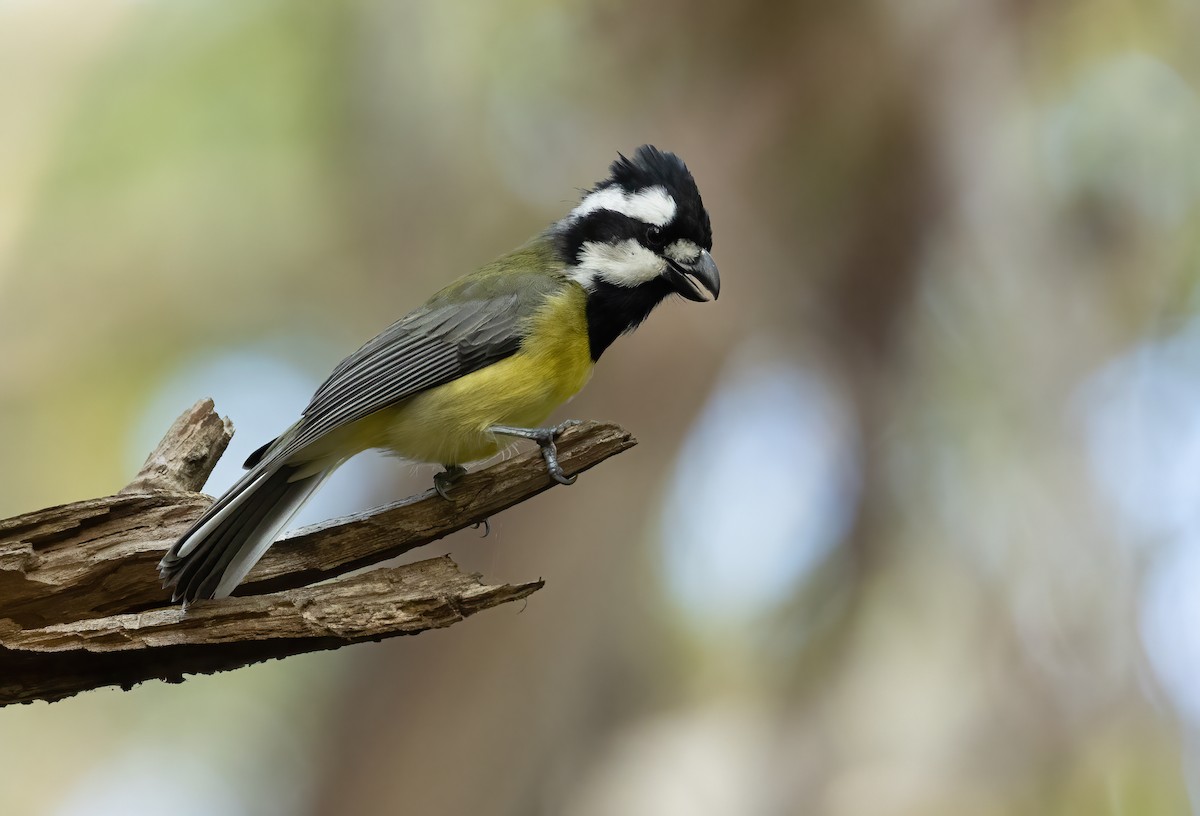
point(81, 606)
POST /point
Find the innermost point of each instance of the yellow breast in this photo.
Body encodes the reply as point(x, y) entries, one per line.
point(448, 424)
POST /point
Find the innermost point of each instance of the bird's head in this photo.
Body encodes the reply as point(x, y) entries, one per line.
point(642, 233)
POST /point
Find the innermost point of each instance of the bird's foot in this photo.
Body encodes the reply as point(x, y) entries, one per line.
point(544, 437)
point(485, 524)
point(443, 480)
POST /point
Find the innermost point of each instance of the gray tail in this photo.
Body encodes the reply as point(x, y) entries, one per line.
point(215, 554)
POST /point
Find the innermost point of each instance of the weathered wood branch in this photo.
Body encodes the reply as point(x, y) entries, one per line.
point(187, 453)
point(81, 607)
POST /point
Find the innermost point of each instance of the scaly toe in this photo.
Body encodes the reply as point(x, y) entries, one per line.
point(566, 423)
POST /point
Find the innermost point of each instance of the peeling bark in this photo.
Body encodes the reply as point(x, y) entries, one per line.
point(81, 606)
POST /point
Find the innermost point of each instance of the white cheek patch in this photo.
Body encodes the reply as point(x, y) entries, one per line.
point(683, 250)
point(652, 205)
point(627, 263)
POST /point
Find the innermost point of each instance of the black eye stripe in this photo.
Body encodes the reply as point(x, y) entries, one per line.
point(608, 226)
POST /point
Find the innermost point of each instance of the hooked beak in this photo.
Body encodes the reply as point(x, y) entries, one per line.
point(685, 276)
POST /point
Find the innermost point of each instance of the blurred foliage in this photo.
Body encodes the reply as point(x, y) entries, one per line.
point(912, 526)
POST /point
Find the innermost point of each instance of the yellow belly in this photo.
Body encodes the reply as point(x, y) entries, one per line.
point(449, 424)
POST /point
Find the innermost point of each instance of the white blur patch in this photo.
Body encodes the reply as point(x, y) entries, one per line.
point(717, 760)
point(627, 263)
point(652, 205)
point(1169, 610)
point(137, 782)
point(765, 487)
point(1143, 434)
point(683, 250)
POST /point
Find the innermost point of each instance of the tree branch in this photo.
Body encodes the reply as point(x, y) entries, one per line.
point(80, 604)
point(188, 453)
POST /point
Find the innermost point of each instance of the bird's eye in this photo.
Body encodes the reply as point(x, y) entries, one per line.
point(654, 236)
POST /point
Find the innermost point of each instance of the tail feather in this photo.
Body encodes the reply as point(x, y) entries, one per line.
point(201, 577)
point(268, 529)
point(212, 558)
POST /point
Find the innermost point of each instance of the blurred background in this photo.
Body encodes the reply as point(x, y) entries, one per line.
point(914, 524)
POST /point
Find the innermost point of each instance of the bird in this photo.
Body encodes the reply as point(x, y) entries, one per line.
point(483, 363)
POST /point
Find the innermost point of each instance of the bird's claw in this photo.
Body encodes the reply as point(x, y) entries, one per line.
point(443, 480)
point(550, 455)
point(550, 451)
point(545, 437)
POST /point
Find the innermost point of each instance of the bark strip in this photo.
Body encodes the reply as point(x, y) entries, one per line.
point(81, 607)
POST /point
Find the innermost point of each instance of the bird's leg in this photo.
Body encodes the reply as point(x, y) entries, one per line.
point(443, 480)
point(545, 438)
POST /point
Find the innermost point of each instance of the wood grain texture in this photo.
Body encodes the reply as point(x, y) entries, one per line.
point(81, 606)
point(57, 661)
point(187, 454)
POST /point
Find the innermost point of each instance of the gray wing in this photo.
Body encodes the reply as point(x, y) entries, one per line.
point(465, 327)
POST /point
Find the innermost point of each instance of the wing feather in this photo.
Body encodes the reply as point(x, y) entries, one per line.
point(449, 337)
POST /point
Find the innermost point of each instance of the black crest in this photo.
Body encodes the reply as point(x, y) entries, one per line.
point(651, 167)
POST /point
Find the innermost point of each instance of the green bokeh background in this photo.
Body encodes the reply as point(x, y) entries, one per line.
point(941, 227)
